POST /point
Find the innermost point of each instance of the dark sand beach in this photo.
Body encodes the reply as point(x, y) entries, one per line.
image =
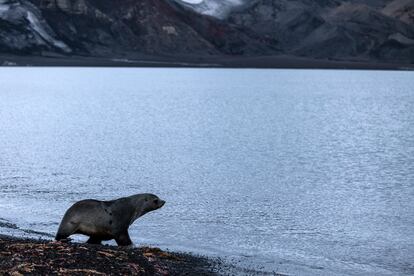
point(41, 257)
point(22, 256)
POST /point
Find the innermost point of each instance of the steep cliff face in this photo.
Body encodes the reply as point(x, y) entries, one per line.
point(24, 30)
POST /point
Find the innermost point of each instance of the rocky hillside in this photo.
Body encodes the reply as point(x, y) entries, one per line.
point(348, 30)
point(97, 28)
point(333, 29)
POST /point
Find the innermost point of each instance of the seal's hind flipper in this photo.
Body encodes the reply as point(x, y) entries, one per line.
point(61, 238)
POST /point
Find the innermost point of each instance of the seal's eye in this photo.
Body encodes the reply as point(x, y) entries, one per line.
point(156, 201)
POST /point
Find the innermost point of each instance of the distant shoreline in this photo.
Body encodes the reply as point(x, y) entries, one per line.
point(265, 62)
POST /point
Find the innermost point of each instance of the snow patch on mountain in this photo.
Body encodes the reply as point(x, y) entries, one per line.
point(215, 8)
point(38, 27)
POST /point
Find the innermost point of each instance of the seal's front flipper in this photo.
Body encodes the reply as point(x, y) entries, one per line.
point(123, 239)
point(94, 240)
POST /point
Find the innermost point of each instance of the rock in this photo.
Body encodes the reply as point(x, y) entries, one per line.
point(68, 6)
point(401, 9)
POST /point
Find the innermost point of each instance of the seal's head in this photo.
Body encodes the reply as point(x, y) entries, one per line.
point(146, 203)
point(153, 202)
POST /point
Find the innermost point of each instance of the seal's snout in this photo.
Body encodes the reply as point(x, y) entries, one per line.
point(162, 202)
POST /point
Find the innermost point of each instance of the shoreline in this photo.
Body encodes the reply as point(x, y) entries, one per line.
point(263, 62)
point(20, 256)
point(28, 256)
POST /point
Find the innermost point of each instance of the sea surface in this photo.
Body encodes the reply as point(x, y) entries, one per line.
point(300, 172)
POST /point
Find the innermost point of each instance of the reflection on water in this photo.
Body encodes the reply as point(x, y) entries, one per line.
point(292, 171)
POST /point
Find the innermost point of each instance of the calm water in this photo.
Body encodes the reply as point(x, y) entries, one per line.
point(299, 172)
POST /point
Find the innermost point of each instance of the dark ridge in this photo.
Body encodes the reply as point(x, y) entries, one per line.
point(364, 31)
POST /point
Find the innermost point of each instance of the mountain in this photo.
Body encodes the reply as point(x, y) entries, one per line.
point(349, 30)
point(98, 28)
point(332, 29)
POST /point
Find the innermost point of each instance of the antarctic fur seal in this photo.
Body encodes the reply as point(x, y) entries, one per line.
point(106, 220)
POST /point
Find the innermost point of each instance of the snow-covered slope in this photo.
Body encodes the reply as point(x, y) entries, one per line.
point(215, 8)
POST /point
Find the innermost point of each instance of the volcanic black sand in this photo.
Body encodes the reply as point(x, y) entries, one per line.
point(199, 62)
point(37, 257)
point(19, 256)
